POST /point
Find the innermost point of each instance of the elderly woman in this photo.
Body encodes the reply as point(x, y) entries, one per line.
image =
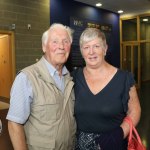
point(104, 95)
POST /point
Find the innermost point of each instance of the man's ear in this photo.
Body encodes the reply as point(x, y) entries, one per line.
point(43, 48)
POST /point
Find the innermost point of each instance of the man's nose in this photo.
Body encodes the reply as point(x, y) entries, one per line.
point(61, 45)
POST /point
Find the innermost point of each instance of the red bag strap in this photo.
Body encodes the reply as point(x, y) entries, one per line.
point(132, 130)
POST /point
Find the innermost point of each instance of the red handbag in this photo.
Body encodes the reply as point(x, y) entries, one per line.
point(134, 140)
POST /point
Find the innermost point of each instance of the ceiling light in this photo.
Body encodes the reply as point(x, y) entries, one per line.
point(120, 11)
point(98, 4)
point(145, 19)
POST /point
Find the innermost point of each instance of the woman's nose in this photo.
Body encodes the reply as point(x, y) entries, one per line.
point(91, 51)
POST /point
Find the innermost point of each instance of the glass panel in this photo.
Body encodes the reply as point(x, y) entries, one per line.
point(129, 30)
point(145, 61)
point(128, 58)
point(145, 28)
point(135, 63)
point(123, 57)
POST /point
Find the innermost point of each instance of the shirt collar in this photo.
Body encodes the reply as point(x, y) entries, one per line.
point(52, 70)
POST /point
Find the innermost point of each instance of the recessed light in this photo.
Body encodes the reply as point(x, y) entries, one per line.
point(145, 19)
point(98, 4)
point(120, 11)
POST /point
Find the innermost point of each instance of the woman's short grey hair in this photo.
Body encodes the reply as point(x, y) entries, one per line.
point(90, 34)
point(55, 26)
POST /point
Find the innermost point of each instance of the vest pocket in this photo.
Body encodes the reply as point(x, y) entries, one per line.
point(39, 141)
point(47, 112)
point(52, 111)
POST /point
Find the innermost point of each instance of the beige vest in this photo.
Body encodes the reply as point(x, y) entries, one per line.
point(51, 124)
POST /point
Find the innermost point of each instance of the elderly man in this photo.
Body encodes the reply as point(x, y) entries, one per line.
point(41, 113)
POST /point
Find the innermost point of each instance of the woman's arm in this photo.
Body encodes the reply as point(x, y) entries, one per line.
point(134, 110)
point(17, 135)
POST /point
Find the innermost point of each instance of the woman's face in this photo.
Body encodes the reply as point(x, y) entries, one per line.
point(94, 52)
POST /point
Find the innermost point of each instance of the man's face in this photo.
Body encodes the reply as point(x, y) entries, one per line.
point(58, 46)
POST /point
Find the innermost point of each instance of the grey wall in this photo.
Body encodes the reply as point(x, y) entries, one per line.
point(21, 13)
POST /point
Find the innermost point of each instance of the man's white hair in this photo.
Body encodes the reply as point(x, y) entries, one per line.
point(56, 26)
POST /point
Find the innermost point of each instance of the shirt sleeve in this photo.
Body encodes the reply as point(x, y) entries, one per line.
point(21, 97)
point(129, 82)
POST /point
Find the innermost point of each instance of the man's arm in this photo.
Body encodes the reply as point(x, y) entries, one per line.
point(17, 135)
point(19, 110)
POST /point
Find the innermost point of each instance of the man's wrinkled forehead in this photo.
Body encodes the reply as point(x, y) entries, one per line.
point(58, 33)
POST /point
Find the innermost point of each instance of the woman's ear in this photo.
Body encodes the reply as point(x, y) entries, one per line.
point(105, 51)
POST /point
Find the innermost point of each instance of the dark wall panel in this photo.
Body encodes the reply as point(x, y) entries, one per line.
point(61, 11)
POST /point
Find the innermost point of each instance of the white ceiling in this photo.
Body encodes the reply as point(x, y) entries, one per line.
point(130, 7)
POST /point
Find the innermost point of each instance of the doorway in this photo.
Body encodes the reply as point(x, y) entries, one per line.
point(131, 60)
point(135, 46)
point(7, 63)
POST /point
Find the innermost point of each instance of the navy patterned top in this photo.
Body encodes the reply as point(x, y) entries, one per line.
point(104, 111)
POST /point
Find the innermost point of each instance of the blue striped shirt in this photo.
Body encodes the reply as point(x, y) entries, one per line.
point(22, 95)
